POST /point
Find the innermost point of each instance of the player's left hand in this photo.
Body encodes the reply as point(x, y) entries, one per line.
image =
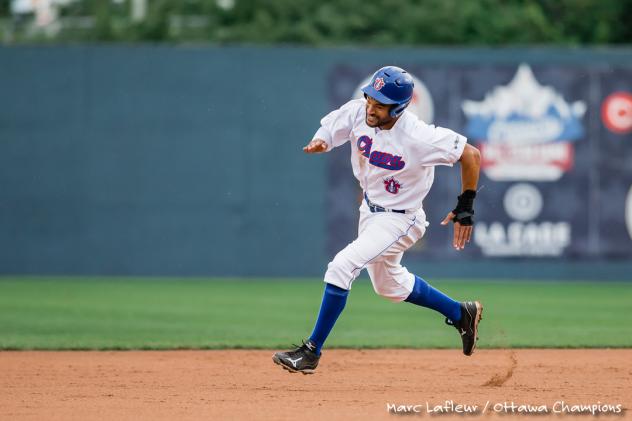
point(462, 233)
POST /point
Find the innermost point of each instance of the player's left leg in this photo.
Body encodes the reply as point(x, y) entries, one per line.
point(394, 282)
point(464, 316)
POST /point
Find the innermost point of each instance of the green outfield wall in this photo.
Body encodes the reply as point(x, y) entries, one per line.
point(186, 161)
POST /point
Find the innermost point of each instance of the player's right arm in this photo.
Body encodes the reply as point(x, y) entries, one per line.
point(315, 146)
point(335, 128)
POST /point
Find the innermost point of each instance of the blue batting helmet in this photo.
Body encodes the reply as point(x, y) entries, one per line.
point(391, 85)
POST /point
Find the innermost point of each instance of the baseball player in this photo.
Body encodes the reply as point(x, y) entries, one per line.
point(393, 155)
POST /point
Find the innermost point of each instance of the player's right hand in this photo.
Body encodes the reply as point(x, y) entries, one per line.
point(315, 146)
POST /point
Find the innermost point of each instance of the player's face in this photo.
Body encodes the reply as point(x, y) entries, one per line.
point(377, 114)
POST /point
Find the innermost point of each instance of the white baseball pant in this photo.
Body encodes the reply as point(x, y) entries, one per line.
point(383, 237)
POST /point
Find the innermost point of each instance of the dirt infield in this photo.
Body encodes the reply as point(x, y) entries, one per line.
point(348, 385)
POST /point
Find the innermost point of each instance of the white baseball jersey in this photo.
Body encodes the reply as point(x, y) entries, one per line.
point(395, 167)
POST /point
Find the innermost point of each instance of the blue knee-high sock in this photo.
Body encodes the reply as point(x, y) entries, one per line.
point(426, 296)
point(334, 300)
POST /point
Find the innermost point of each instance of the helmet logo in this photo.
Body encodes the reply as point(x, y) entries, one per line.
point(378, 84)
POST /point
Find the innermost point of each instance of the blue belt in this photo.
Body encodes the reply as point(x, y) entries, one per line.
point(376, 208)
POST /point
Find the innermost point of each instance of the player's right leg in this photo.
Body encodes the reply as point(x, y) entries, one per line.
point(377, 234)
point(375, 238)
point(305, 358)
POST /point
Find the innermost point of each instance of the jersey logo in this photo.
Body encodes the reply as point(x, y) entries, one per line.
point(379, 159)
point(364, 145)
point(392, 186)
point(379, 83)
point(386, 160)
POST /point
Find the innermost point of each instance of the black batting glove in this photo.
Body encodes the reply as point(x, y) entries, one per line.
point(464, 210)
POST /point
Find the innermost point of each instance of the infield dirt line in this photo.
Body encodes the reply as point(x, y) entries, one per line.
point(348, 384)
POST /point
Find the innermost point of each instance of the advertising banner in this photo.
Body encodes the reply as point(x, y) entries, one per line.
point(556, 159)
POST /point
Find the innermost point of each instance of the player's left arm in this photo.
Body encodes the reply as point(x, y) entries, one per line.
point(462, 215)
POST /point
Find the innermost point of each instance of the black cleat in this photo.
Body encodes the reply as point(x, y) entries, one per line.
point(301, 360)
point(471, 315)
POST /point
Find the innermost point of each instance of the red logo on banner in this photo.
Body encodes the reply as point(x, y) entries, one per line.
point(616, 112)
point(378, 84)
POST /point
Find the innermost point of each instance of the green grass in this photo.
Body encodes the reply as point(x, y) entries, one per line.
point(130, 313)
